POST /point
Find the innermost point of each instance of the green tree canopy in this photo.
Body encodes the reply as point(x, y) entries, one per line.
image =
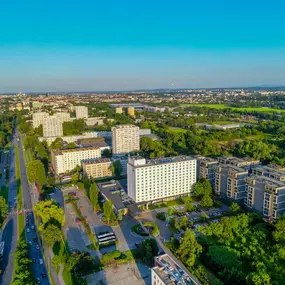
point(49, 212)
point(93, 194)
point(36, 172)
point(189, 248)
point(202, 188)
point(51, 234)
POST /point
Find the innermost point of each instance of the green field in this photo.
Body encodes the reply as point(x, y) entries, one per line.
point(21, 226)
point(177, 130)
point(28, 156)
point(223, 106)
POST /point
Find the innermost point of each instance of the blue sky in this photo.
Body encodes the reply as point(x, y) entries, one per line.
point(119, 45)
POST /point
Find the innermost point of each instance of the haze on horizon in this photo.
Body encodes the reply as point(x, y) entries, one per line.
point(124, 45)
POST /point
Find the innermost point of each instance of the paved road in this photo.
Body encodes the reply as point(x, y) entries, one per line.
point(39, 270)
point(9, 234)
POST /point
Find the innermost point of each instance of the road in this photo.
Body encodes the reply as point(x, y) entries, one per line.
point(35, 250)
point(9, 234)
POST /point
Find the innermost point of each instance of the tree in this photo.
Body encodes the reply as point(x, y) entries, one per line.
point(224, 257)
point(57, 144)
point(93, 194)
point(75, 177)
point(51, 234)
point(279, 233)
point(49, 211)
point(235, 207)
point(182, 223)
point(80, 185)
point(71, 145)
point(41, 151)
point(189, 248)
point(108, 210)
point(117, 168)
point(202, 188)
point(170, 211)
point(204, 216)
point(3, 210)
point(147, 250)
point(36, 172)
point(206, 202)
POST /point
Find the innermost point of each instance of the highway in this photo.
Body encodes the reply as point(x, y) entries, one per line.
point(9, 234)
point(35, 249)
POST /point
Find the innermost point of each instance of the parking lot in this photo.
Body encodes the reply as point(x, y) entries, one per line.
point(124, 274)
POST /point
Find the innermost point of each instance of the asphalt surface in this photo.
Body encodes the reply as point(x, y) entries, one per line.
point(9, 234)
point(35, 250)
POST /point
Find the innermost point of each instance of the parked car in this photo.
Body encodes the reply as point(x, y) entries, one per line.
point(41, 261)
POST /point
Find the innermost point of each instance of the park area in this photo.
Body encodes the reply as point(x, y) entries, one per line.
point(223, 106)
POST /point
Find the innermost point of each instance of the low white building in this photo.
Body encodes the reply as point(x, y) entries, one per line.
point(160, 179)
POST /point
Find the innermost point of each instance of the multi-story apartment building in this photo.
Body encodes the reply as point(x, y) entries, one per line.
point(63, 116)
point(246, 163)
point(66, 160)
point(229, 181)
point(125, 139)
point(39, 118)
point(265, 191)
point(206, 168)
point(167, 271)
point(160, 179)
point(97, 167)
point(52, 127)
point(81, 112)
point(131, 111)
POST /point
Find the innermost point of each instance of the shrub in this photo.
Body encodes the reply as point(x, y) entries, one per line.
point(161, 216)
point(155, 230)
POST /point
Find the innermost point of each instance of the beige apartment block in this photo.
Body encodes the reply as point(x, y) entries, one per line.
point(63, 116)
point(52, 127)
point(98, 167)
point(65, 160)
point(39, 118)
point(125, 139)
point(81, 112)
point(119, 110)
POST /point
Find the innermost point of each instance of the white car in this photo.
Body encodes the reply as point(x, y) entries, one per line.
point(32, 227)
point(28, 230)
point(41, 261)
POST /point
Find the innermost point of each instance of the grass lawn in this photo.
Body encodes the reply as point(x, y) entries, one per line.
point(177, 130)
point(28, 156)
point(67, 277)
point(18, 180)
point(223, 106)
point(21, 226)
point(170, 203)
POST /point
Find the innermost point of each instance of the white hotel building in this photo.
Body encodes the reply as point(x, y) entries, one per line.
point(65, 160)
point(160, 179)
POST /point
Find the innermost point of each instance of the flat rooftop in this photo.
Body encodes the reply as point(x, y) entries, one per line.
point(96, 160)
point(114, 191)
point(171, 273)
point(165, 160)
point(62, 151)
point(270, 181)
point(233, 167)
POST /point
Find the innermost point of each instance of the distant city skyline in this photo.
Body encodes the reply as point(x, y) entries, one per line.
point(123, 45)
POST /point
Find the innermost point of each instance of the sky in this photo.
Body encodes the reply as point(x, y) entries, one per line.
point(90, 45)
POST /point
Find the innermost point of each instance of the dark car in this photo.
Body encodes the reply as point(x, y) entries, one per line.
point(77, 220)
point(34, 260)
point(44, 275)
